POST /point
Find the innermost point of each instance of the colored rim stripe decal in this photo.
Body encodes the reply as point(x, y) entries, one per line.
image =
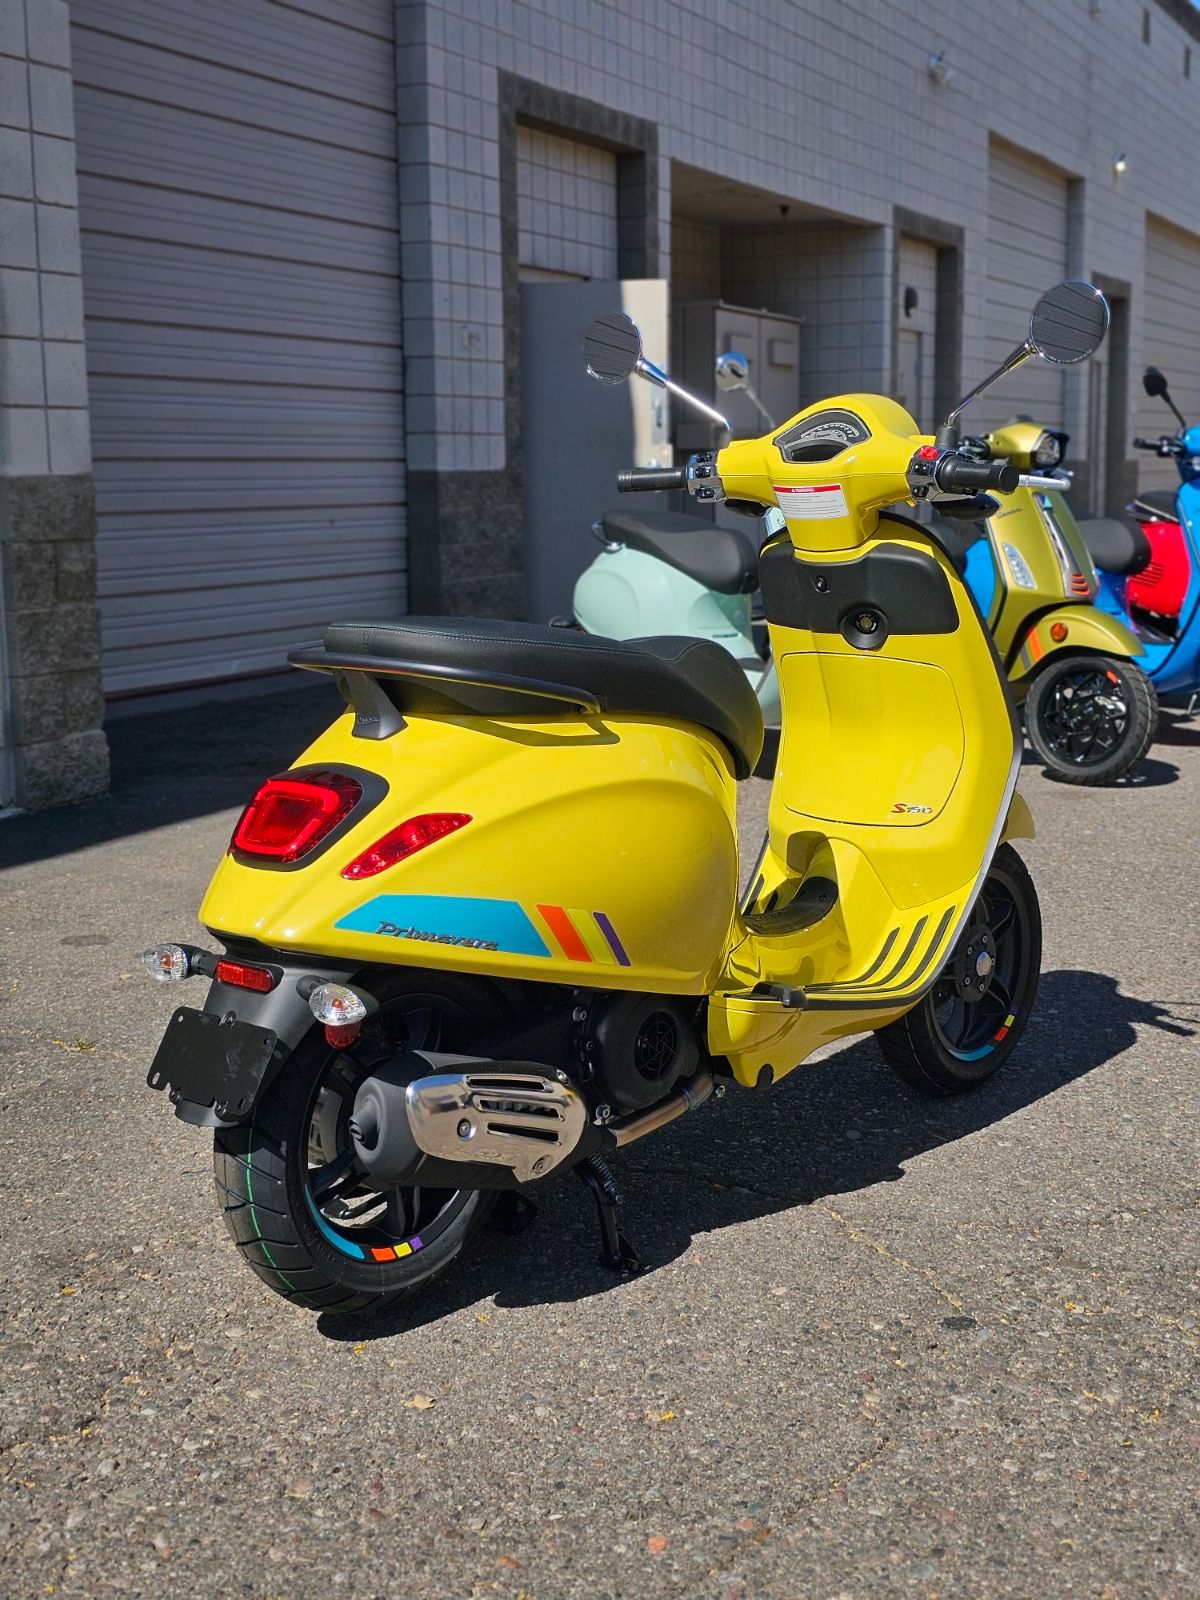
point(610, 933)
point(1008, 1022)
point(335, 1239)
point(563, 929)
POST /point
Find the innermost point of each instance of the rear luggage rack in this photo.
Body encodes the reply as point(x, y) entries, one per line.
point(378, 716)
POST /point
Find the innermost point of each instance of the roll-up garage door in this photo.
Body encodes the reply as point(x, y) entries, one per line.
point(1170, 307)
point(238, 206)
point(1027, 254)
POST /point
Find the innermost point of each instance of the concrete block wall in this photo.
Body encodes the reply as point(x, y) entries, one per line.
point(828, 106)
point(566, 207)
point(836, 279)
point(47, 502)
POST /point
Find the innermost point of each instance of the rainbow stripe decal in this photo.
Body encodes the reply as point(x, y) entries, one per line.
point(474, 924)
point(584, 935)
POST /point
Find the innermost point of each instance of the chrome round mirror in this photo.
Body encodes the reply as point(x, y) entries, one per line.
point(733, 370)
point(1068, 323)
point(612, 347)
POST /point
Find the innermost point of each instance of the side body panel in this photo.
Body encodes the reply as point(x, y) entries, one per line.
point(601, 852)
point(896, 774)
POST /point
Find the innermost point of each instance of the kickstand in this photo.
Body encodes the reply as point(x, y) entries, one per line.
point(616, 1252)
point(512, 1213)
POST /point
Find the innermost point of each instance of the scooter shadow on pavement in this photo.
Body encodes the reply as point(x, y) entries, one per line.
point(1148, 774)
point(1176, 728)
point(835, 1127)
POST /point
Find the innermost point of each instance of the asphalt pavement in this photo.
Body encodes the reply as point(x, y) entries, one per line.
point(887, 1345)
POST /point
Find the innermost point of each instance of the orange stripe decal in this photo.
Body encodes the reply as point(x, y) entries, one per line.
point(563, 929)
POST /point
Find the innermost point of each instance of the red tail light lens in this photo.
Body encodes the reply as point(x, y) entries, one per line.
point(243, 977)
point(405, 840)
point(288, 817)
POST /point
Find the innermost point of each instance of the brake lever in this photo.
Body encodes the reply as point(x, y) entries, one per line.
point(1034, 480)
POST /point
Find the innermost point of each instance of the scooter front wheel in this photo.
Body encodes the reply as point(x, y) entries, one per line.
point(1091, 719)
point(968, 1025)
point(305, 1220)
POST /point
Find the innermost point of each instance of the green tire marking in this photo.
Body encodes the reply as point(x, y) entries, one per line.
point(266, 1249)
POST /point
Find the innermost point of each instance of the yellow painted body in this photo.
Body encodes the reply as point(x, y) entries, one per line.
point(1040, 526)
point(636, 819)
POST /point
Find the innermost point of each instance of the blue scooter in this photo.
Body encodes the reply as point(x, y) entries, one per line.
point(1171, 645)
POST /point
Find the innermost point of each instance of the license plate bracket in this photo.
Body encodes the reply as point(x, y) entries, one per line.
point(213, 1062)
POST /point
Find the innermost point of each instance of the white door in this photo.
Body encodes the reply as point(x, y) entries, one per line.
point(916, 321)
point(241, 267)
point(1170, 316)
point(1027, 254)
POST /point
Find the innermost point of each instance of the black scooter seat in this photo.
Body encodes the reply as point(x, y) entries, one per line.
point(1116, 544)
point(722, 559)
point(1157, 505)
point(452, 665)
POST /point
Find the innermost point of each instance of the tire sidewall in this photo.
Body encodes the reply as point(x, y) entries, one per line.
point(1140, 725)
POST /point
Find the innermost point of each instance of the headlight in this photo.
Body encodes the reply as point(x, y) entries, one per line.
point(1048, 451)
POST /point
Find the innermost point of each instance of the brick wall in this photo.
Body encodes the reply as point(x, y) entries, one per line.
point(47, 503)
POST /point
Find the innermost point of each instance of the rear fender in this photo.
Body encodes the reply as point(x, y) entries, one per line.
point(1087, 629)
point(284, 1012)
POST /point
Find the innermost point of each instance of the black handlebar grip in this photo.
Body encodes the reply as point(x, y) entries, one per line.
point(958, 473)
point(635, 479)
point(1153, 444)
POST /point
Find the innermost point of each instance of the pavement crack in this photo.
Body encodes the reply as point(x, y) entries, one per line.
point(860, 1236)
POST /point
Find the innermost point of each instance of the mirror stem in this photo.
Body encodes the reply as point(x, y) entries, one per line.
point(1018, 357)
point(647, 369)
point(1182, 423)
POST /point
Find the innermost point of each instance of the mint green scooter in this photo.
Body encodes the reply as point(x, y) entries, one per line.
point(663, 572)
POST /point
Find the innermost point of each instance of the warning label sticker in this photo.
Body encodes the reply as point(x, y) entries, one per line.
point(812, 502)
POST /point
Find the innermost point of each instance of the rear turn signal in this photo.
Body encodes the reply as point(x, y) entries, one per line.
point(405, 840)
point(288, 817)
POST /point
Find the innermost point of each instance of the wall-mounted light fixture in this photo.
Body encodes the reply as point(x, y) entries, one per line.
point(939, 68)
point(1120, 165)
point(910, 301)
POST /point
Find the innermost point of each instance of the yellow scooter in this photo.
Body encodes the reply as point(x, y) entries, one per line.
point(487, 928)
point(1090, 710)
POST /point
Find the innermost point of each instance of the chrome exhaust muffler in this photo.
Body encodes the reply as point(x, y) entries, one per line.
point(467, 1109)
point(423, 1109)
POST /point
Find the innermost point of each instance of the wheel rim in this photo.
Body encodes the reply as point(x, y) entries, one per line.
point(351, 1212)
point(971, 1029)
point(1085, 716)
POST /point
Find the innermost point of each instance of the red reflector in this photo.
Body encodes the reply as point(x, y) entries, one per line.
point(405, 840)
point(244, 977)
point(289, 816)
point(928, 452)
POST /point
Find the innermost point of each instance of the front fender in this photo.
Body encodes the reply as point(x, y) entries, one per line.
point(1018, 824)
point(1087, 629)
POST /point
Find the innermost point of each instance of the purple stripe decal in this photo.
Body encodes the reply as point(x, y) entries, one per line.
point(417, 1242)
point(610, 933)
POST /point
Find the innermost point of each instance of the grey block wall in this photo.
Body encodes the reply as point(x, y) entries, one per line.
point(56, 748)
point(827, 105)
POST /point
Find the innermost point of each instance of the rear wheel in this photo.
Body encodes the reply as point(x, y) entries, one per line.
point(305, 1218)
point(1091, 719)
point(969, 1023)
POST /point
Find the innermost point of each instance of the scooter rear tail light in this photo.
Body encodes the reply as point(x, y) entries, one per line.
point(288, 817)
point(241, 976)
point(405, 840)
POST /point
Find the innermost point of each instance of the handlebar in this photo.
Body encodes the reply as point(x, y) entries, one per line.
point(1166, 445)
point(958, 474)
point(635, 479)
